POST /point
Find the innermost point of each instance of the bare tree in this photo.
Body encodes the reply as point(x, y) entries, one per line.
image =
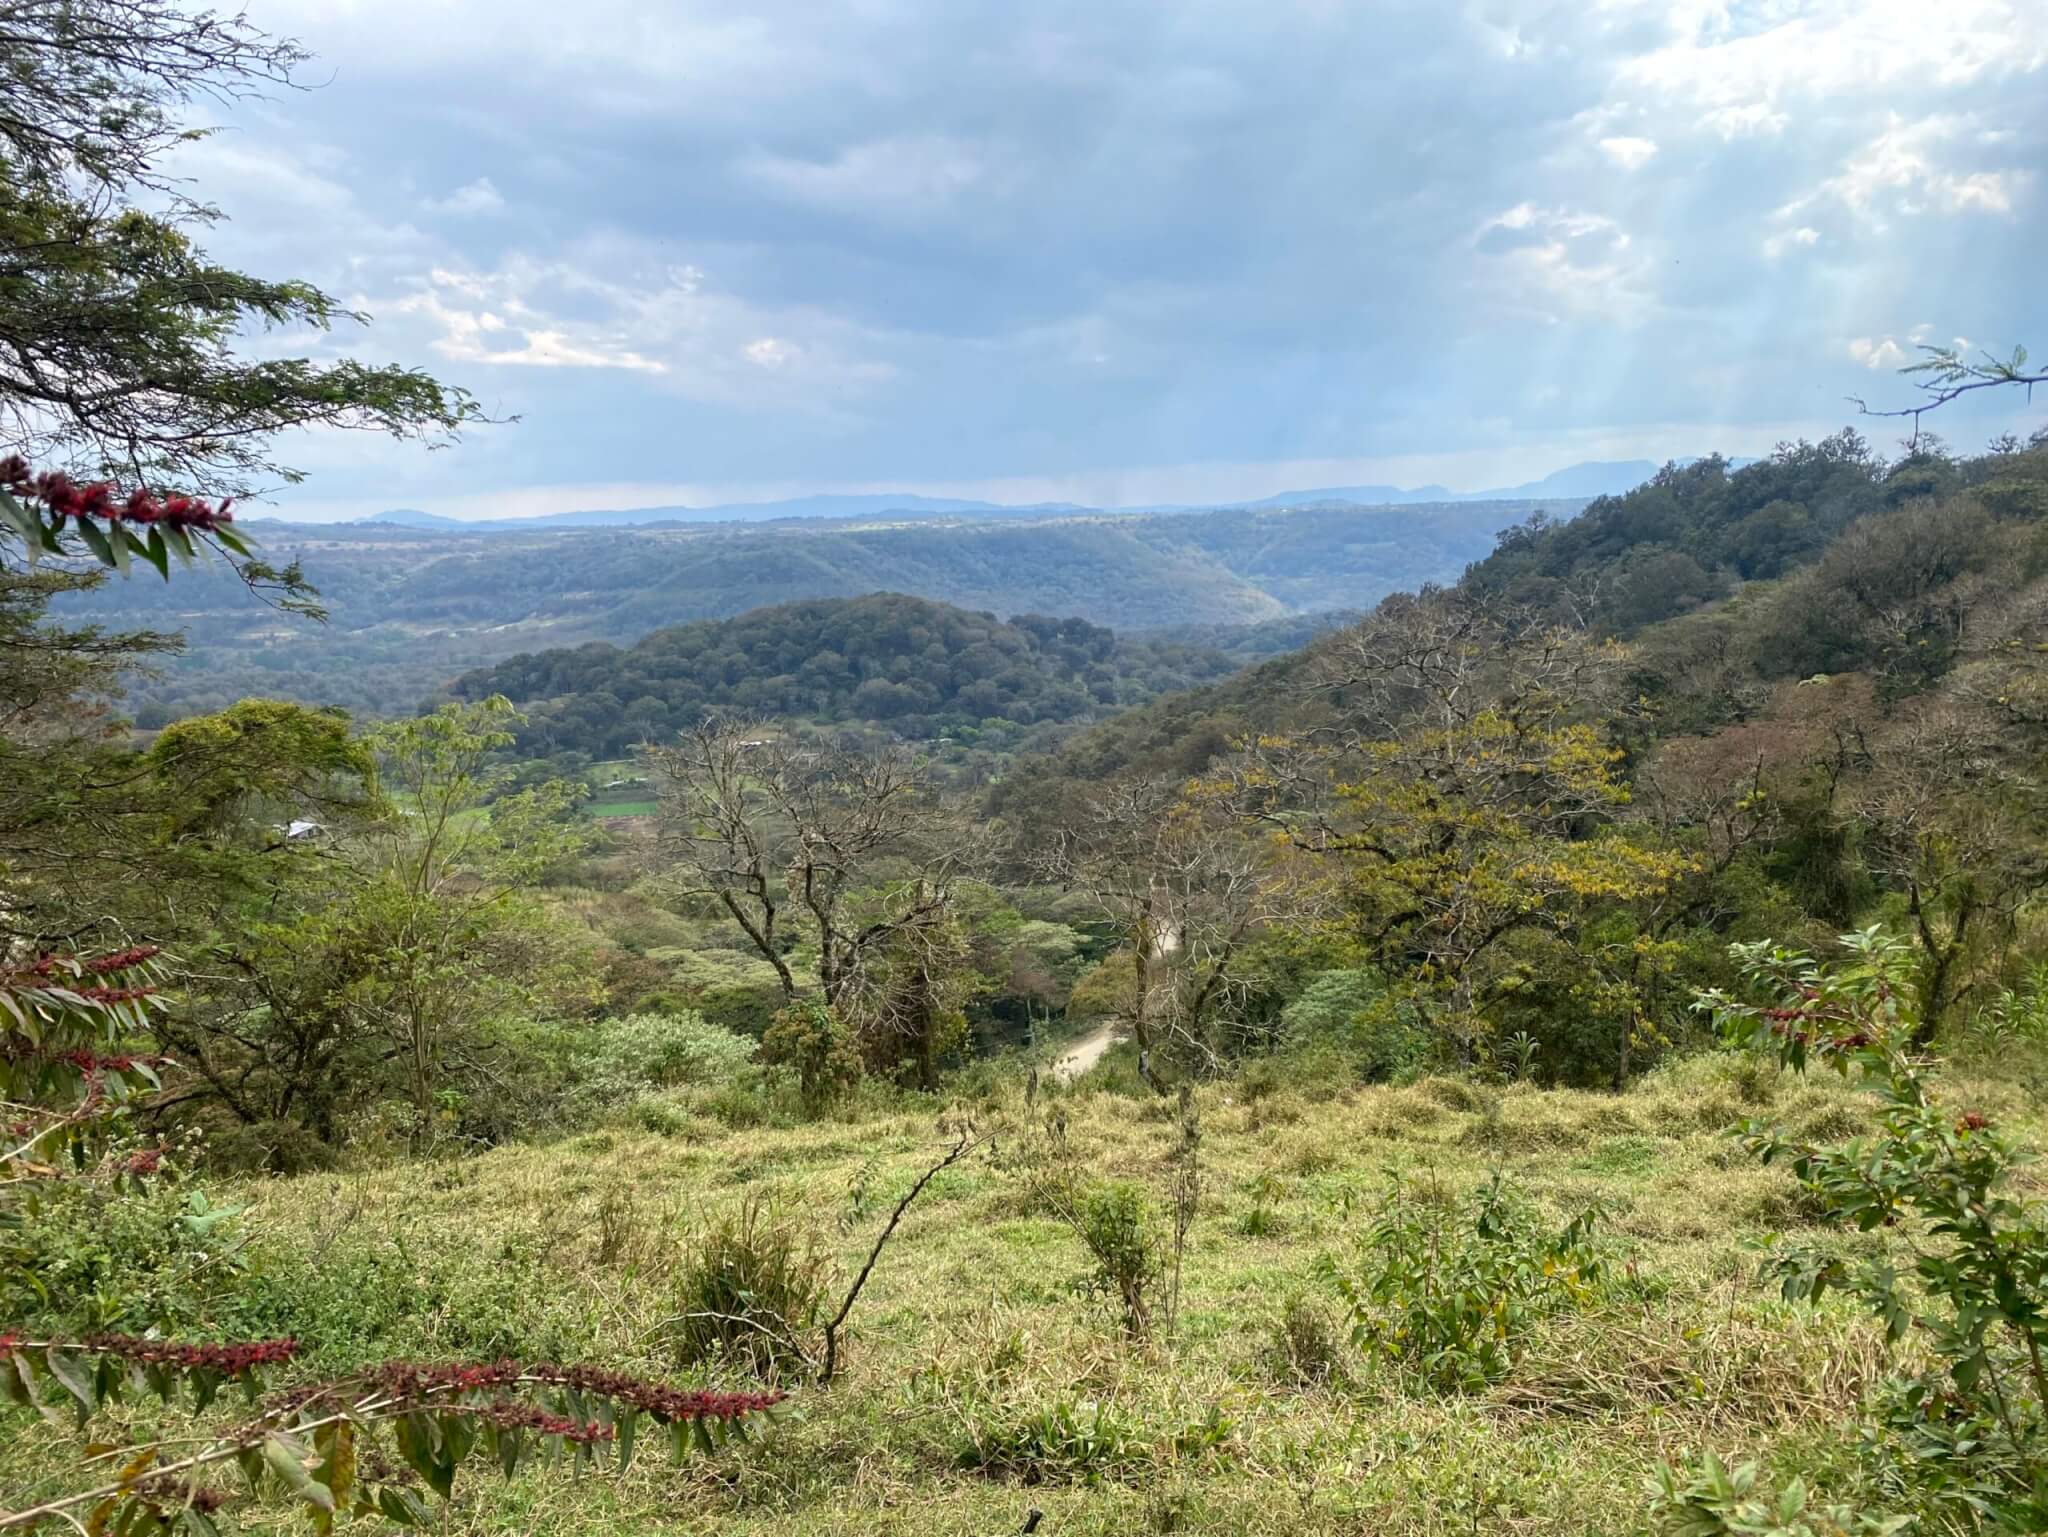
point(1183, 885)
point(844, 849)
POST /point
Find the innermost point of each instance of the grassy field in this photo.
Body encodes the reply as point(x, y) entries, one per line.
point(971, 1340)
point(604, 808)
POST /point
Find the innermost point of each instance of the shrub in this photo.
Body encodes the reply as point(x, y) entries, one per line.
point(1449, 1292)
point(1380, 1033)
point(810, 1038)
point(134, 1256)
point(1307, 1346)
point(1962, 1440)
point(751, 1291)
point(1709, 1499)
point(1116, 1223)
point(1067, 1439)
point(625, 1057)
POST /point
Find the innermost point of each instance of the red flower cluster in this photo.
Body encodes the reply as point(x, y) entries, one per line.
point(233, 1360)
point(663, 1402)
point(67, 499)
point(408, 1382)
point(115, 994)
point(1972, 1121)
point(511, 1414)
point(121, 960)
point(142, 1161)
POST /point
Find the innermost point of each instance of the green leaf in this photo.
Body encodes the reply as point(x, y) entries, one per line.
point(96, 541)
point(73, 1381)
point(283, 1460)
point(624, 1427)
point(179, 541)
point(28, 1378)
point(23, 522)
point(401, 1506)
point(157, 553)
point(232, 541)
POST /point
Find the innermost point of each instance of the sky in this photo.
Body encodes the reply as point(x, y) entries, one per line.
point(1125, 251)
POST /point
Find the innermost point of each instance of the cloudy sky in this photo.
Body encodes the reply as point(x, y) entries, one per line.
point(1133, 250)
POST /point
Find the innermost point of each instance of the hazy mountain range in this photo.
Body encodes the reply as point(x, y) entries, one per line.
point(1584, 480)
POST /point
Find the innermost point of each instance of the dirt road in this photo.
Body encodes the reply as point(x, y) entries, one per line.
point(1084, 1053)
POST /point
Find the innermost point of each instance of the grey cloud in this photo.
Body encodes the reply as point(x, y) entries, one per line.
point(940, 240)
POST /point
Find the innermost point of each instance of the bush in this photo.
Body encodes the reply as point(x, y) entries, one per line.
point(662, 1051)
point(810, 1038)
point(1961, 1440)
point(1307, 1346)
point(131, 1258)
point(1353, 1011)
point(1115, 1221)
point(1449, 1292)
point(751, 1292)
point(1066, 1439)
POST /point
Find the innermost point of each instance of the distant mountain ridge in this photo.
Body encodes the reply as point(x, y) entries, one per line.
point(1590, 478)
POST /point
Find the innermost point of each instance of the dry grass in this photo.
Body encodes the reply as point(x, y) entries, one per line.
point(970, 1326)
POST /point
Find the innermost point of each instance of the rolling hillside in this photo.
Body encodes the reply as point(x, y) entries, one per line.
point(411, 608)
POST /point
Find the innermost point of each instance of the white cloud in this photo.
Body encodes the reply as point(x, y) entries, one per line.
point(1558, 261)
point(769, 351)
point(1877, 353)
point(1775, 246)
point(610, 309)
point(465, 336)
point(1749, 120)
point(478, 197)
point(1628, 152)
point(1903, 171)
point(900, 177)
point(1759, 56)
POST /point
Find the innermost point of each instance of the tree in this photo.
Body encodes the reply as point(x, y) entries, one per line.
point(842, 850)
point(1464, 791)
point(116, 332)
point(1182, 887)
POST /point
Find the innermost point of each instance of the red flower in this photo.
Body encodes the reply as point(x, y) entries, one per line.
point(1972, 1121)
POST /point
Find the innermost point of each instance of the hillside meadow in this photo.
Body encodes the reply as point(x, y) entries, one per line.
point(981, 1380)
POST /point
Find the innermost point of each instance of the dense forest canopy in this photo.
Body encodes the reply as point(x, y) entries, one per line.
point(923, 670)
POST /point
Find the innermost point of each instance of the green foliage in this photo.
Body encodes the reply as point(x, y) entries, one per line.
point(1116, 1221)
point(1449, 1291)
point(133, 1256)
point(1083, 1440)
point(1966, 1437)
point(751, 1291)
point(1375, 1028)
point(809, 1038)
point(1709, 1499)
point(923, 669)
point(661, 1051)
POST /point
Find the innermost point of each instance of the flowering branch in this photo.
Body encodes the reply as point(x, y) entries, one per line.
point(305, 1437)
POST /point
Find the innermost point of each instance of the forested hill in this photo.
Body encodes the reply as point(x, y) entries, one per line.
point(914, 667)
point(412, 608)
point(1821, 560)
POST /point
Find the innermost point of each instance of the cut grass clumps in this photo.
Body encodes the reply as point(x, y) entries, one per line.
point(751, 1292)
point(1067, 1440)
